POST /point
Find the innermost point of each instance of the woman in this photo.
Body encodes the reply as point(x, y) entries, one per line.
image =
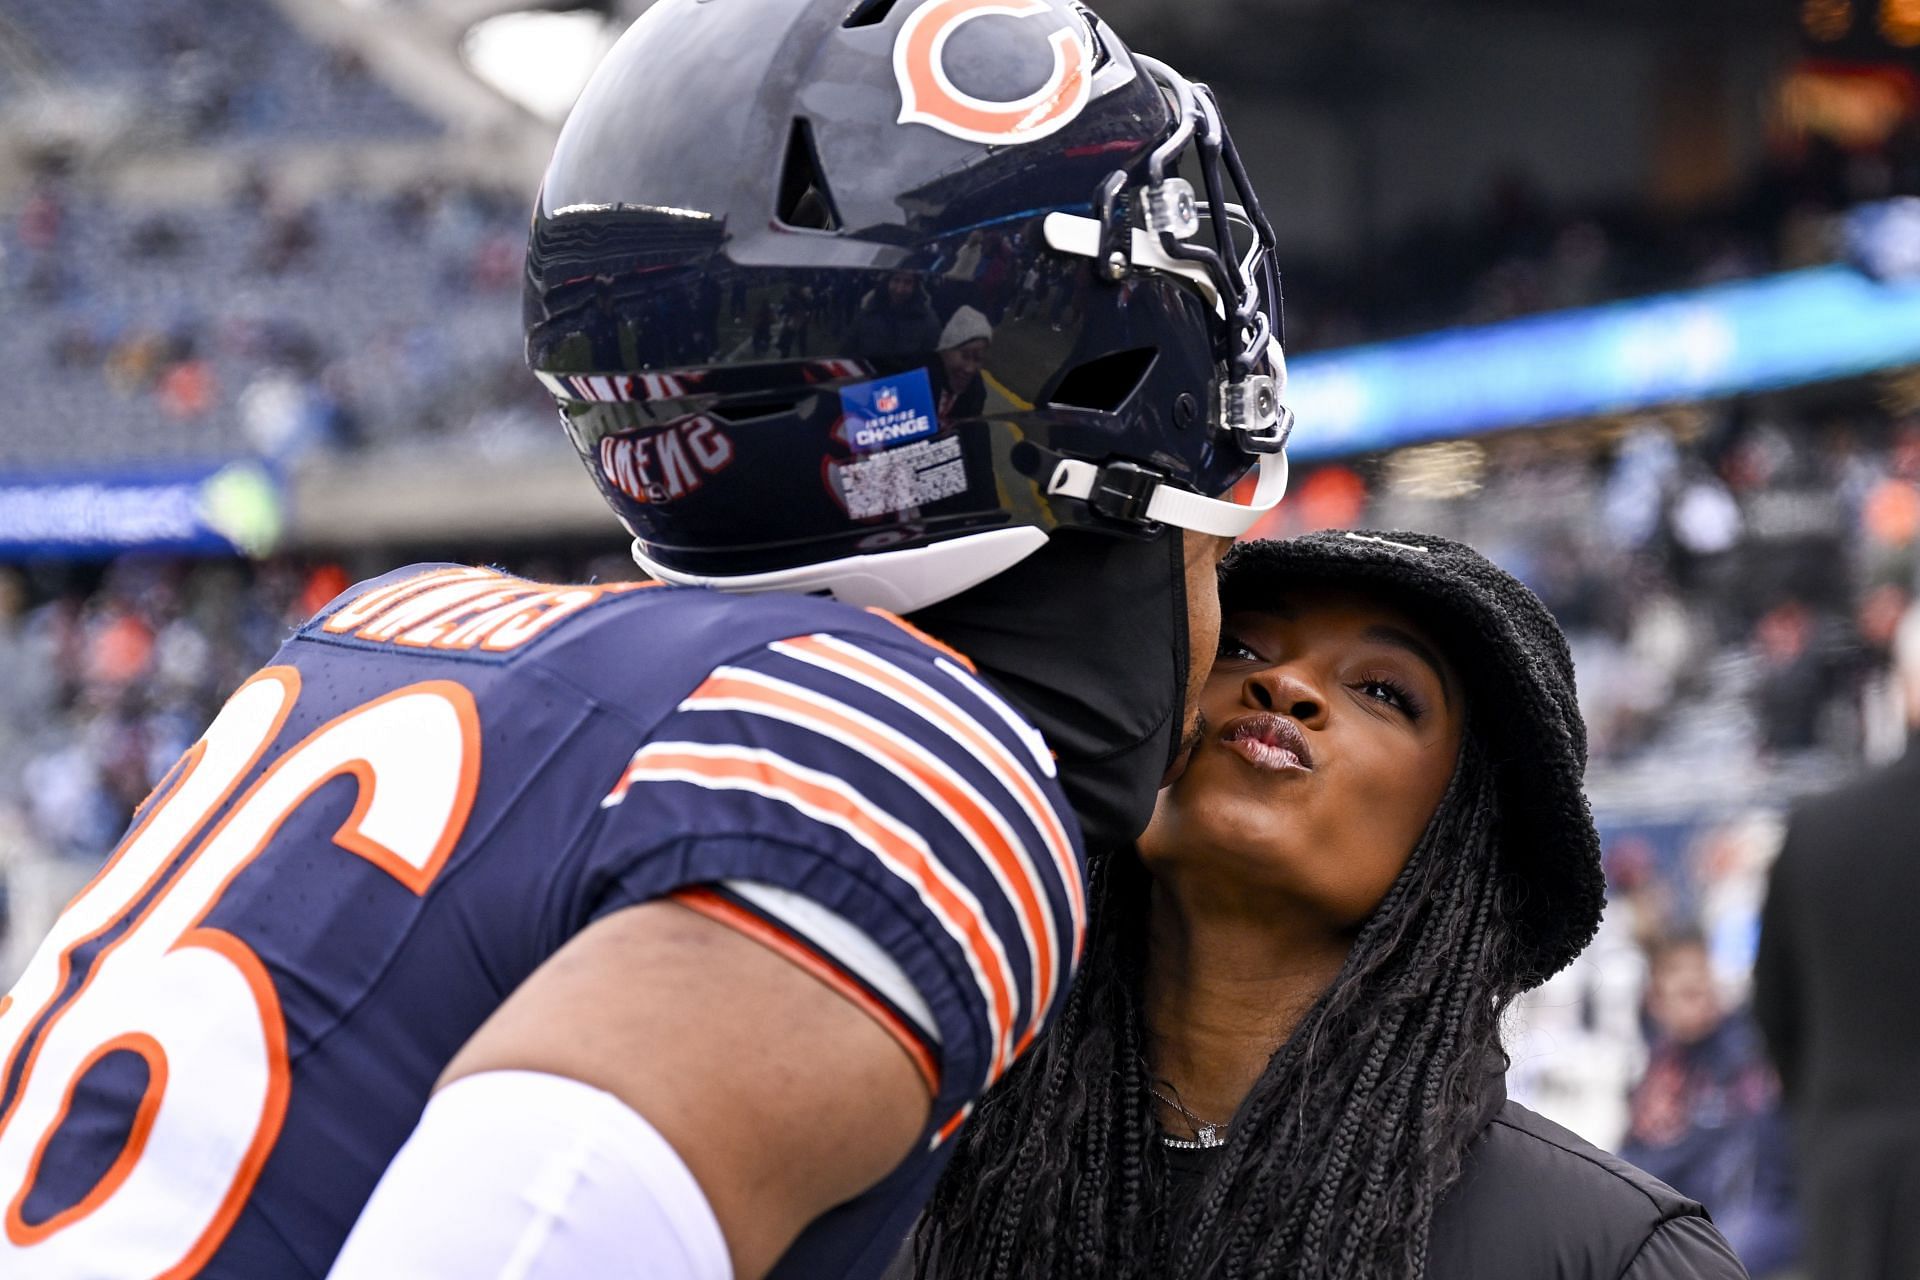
point(959, 391)
point(1283, 1055)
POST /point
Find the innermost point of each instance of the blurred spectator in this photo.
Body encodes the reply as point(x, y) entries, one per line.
point(1705, 1116)
point(1838, 996)
point(290, 235)
point(955, 285)
point(1793, 679)
point(999, 275)
point(40, 220)
point(896, 319)
point(959, 390)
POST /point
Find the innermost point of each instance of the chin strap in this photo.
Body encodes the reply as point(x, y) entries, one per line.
point(1125, 491)
point(1241, 289)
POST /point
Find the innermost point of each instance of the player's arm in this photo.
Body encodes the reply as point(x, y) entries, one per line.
point(780, 1097)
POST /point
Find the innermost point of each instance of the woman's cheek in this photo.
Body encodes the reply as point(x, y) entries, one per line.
point(1376, 840)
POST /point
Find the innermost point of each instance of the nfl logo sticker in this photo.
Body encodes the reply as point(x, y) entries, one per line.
point(880, 415)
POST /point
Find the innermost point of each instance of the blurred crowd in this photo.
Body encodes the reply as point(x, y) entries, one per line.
point(108, 673)
point(193, 71)
point(222, 312)
point(267, 325)
point(1521, 253)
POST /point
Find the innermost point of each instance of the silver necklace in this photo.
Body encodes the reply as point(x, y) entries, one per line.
point(1206, 1135)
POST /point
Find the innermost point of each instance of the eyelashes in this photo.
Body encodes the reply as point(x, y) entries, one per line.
point(1411, 704)
point(1232, 647)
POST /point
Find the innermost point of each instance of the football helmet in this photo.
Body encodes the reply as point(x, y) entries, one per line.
point(871, 297)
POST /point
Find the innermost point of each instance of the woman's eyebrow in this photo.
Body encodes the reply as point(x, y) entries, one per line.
point(1418, 648)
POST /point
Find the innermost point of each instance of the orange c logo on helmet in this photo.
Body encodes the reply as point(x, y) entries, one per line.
point(928, 97)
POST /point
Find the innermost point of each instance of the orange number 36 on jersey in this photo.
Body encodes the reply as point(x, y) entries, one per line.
point(194, 1001)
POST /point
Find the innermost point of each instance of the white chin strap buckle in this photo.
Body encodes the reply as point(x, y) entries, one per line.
point(1128, 492)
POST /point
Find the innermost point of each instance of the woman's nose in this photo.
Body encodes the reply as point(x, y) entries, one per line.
point(1285, 691)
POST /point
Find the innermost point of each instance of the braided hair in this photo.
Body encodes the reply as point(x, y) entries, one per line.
point(1335, 1159)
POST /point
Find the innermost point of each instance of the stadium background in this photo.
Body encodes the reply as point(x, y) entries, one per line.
point(1628, 295)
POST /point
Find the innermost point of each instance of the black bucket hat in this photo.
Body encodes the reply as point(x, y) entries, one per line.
point(1519, 676)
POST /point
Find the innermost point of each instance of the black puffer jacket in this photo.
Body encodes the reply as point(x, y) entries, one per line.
point(1537, 1203)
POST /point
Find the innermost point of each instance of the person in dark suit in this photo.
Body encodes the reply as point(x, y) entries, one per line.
point(1837, 995)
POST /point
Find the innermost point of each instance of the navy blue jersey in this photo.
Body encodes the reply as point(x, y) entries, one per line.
point(440, 780)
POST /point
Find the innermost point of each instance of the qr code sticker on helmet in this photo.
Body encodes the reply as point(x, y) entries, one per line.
point(902, 479)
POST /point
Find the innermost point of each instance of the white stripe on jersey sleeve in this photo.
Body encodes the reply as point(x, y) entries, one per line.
point(1036, 744)
point(829, 931)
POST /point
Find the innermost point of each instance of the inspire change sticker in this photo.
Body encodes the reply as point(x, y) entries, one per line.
point(888, 411)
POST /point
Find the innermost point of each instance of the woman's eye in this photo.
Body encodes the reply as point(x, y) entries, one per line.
point(1231, 649)
point(1391, 694)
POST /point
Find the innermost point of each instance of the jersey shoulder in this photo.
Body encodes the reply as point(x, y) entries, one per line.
point(457, 611)
point(471, 611)
point(857, 676)
point(639, 647)
point(667, 622)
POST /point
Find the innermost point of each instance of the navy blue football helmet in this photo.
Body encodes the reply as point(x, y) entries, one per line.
point(870, 296)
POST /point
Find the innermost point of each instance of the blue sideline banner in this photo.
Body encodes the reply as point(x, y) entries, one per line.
point(236, 508)
point(1756, 335)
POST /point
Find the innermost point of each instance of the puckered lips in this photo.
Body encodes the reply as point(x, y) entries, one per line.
point(1268, 741)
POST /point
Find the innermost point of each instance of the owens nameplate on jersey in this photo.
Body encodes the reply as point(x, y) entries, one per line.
point(465, 610)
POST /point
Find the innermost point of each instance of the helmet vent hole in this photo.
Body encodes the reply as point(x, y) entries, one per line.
point(1101, 55)
point(747, 408)
point(1105, 383)
point(869, 13)
point(805, 201)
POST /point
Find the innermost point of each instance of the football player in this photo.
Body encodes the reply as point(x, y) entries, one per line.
point(507, 929)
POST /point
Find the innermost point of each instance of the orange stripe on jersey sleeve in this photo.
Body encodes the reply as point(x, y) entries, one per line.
point(745, 769)
point(743, 691)
point(860, 666)
point(952, 1126)
point(724, 910)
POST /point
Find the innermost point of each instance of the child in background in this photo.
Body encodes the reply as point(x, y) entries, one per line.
point(1705, 1118)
